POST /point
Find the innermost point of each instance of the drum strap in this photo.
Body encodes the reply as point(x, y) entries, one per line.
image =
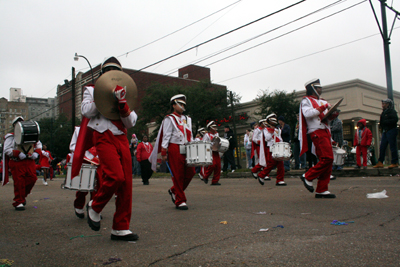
point(182, 126)
point(26, 151)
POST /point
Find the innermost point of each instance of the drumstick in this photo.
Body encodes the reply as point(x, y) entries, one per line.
point(169, 169)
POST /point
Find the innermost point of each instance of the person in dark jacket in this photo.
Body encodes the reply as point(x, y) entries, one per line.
point(228, 156)
point(285, 128)
point(388, 125)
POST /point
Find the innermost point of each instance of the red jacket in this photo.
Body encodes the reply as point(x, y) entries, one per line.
point(366, 135)
point(143, 152)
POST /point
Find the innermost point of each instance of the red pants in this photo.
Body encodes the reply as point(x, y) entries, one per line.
point(24, 176)
point(258, 167)
point(271, 163)
point(323, 169)
point(80, 198)
point(364, 151)
point(116, 164)
point(215, 167)
point(181, 173)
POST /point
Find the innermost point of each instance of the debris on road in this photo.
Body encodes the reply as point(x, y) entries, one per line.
point(378, 195)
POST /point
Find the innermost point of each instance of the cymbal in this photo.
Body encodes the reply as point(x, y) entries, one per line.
point(104, 97)
point(332, 109)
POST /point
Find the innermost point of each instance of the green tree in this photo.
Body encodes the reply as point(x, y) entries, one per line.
point(204, 103)
point(281, 103)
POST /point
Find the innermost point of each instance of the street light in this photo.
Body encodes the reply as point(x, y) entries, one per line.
point(76, 58)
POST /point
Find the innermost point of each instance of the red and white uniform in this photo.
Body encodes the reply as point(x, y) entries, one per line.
point(312, 110)
point(255, 144)
point(45, 159)
point(109, 138)
point(23, 171)
point(271, 137)
point(175, 130)
point(260, 147)
point(90, 157)
point(362, 143)
point(216, 166)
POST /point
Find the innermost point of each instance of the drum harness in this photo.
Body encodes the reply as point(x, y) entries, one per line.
point(182, 148)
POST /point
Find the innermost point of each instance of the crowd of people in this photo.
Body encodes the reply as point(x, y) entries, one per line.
point(102, 142)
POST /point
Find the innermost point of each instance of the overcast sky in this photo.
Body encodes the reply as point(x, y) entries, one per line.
point(40, 38)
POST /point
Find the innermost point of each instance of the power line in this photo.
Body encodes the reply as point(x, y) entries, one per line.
point(304, 26)
point(311, 54)
point(178, 30)
point(219, 36)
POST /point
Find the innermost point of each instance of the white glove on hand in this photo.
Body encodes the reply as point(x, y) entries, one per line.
point(22, 156)
point(119, 93)
point(34, 155)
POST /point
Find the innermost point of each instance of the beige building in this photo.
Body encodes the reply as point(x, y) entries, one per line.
point(361, 100)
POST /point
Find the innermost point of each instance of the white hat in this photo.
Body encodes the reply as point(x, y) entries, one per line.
point(315, 82)
point(261, 121)
point(19, 118)
point(272, 115)
point(212, 125)
point(179, 98)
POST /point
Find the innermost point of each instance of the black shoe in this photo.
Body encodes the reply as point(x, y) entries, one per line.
point(182, 207)
point(205, 181)
point(216, 184)
point(80, 215)
point(129, 237)
point(261, 180)
point(255, 176)
point(333, 177)
point(283, 184)
point(308, 187)
point(146, 183)
point(94, 225)
point(266, 178)
point(19, 207)
point(172, 195)
point(24, 203)
point(325, 196)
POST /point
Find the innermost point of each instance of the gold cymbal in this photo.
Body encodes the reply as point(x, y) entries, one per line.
point(104, 97)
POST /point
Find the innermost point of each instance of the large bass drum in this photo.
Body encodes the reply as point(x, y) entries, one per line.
point(26, 132)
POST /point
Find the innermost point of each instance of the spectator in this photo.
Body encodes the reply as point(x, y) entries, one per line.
point(143, 153)
point(299, 162)
point(133, 148)
point(388, 124)
point(362, 140)
point(285, 138)
point(229, 156)
point(247, 146)
point(337, 136)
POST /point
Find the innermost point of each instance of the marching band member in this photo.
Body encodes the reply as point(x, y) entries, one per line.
point(44, 161)
point(216, 165)
point(312, 110)
point(272, 135)
point(22, 166)
point(90, 158)
point(258, 148)
point(174, 133)
point(109, 138)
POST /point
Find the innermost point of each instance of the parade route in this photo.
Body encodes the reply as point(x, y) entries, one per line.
point(240, 223)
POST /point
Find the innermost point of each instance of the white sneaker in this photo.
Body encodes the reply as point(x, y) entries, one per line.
point(94, 216)
point(233, 170)
point(44, 182)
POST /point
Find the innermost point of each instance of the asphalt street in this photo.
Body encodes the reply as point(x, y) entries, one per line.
point(239, 223)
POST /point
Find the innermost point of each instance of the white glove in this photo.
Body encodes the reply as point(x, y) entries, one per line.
point(120, 93)
point(22, 156)
point(34, 155)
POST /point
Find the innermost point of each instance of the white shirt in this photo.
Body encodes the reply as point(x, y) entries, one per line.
point(257, 136)
point(311, 114)
point(247, 143)
point(171, 132)
point(97, 121)
point(270, 137)
point(209, 136)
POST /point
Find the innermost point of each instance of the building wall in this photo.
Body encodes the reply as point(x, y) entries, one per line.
point(40, 108)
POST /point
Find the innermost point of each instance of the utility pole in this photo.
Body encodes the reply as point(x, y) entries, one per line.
point(234, 130)
point(73, 100)
point(386, 42)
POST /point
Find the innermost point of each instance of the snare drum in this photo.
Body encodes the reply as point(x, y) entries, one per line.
point(281, 151)
point(219, 144)
point(85, 182)
point(26, 132)
point(198, 153)
point(339, 156)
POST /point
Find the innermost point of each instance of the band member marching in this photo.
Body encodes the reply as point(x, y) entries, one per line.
point(90, 158)
point(258, 148)
point(272, 135)
point(112, 146)
point(312, 111)
point(216, 165)
point(174, 133)
point(45, 160)
point(22, 166)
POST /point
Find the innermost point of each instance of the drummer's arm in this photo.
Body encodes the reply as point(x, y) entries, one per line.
point(8, 147)
point(268, 136)
point(88, 107)
point(167, 129)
